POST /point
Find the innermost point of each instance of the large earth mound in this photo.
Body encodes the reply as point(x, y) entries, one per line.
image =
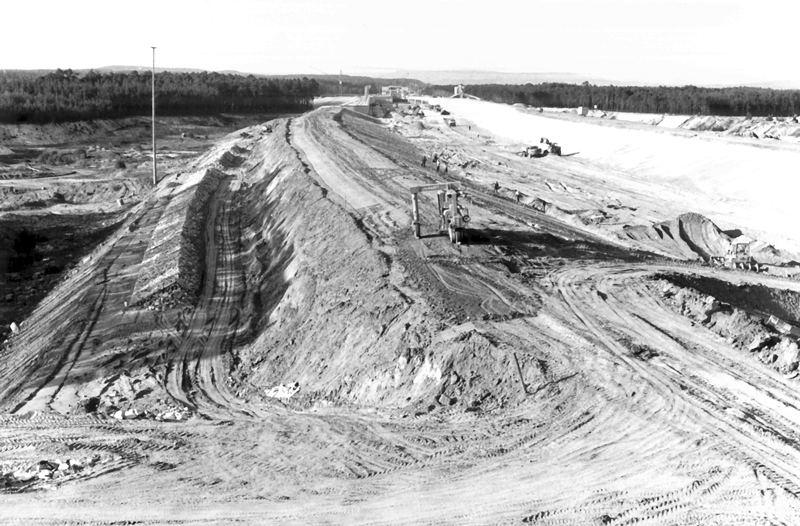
point(690, 236)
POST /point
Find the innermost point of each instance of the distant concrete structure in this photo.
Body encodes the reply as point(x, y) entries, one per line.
point(373, 105)
point(458, 93)
point(583, 110)
point(400, 92)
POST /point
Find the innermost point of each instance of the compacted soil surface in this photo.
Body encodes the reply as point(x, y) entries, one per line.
point(260, 338)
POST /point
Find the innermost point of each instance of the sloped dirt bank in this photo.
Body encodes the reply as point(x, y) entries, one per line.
point(780, 128)
point(783, 303)
point(689, 236)
point(737, 313)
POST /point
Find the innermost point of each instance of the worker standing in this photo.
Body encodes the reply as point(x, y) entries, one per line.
point(438, 165)
point(424, 161)
point(516, 195)
point(445, 167)
point(496, 187)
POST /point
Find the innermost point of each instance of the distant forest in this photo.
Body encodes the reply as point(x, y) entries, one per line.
point(64, 95)
point(686, 100)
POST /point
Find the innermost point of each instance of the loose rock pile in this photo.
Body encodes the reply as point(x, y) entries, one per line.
point(21, 475)
point(283, 391)
point(136, 396)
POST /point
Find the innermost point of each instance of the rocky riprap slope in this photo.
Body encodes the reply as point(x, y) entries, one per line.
point(172, 271)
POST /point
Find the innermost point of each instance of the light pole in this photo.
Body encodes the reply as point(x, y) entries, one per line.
point(153, 87)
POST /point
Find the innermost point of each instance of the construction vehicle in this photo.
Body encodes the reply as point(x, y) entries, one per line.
point(551, 146)
point(453, 217)
point(449, 121)
point(738, 256)
point(532, 151)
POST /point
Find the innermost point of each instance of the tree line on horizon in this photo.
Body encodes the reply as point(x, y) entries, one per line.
point(685, 100)
point(64, 95)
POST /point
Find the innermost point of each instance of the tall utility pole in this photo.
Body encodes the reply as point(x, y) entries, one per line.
point(153, 87)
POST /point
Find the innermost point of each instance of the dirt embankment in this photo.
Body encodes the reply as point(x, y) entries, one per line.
point(777, 128)
point(327, 307)
point(689, 236)
point(695, 237)
point(738, 314)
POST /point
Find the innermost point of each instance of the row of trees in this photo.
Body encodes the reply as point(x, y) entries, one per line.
point(66, 95)
point(688, 100)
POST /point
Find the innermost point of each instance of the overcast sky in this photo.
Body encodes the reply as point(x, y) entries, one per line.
point(669, 42)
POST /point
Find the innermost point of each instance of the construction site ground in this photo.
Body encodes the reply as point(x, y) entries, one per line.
point(261, 338)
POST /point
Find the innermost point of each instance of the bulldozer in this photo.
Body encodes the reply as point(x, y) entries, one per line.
point(737, 257)
point(453, 217)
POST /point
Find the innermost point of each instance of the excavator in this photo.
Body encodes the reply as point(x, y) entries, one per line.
point(453, 217)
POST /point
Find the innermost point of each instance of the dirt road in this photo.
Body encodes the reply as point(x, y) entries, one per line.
point(399, 355)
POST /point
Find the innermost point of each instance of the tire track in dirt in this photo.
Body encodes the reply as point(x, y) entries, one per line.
point(100, 283)
point(195, 373)
point(706, 403)
point(44, 396)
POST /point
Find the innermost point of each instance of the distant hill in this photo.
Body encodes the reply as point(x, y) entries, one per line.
point(775, 84)
point(498, 77)
point(142, 68)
